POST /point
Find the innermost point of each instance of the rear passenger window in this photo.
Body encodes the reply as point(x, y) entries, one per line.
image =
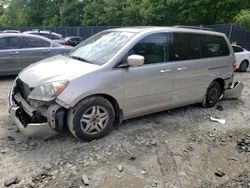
point(54, 37)
point(185, 46)
point(29, 42)
point(153, 48)
point(237, 49)
point(213, 46)
point(49, 36)
point(9, 43)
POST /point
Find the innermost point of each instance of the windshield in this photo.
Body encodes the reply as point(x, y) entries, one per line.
point(101, 47)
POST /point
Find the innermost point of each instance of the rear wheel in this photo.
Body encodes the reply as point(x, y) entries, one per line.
point(91, 119)
point(243, 66)
point(214, 92)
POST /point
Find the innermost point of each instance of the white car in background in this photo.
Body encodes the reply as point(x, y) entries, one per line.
point(242, 58)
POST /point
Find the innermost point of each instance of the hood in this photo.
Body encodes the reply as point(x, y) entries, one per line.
point(55, 69)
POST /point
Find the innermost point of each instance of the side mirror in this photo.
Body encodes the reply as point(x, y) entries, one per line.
point(135, 60)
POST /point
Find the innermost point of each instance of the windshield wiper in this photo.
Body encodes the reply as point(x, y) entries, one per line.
point(80, 59)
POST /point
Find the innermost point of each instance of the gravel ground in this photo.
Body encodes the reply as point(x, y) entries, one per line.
point(175, 148)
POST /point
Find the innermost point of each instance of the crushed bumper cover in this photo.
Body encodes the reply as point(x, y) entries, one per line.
point(38, 130)
point(234, 92)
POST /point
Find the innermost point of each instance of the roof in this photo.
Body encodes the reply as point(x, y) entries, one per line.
point(39, 31)
point(24, 34)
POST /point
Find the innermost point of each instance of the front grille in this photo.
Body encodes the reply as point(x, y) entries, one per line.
point(23, 88)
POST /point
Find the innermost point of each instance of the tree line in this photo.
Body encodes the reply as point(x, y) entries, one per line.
point(34, 13)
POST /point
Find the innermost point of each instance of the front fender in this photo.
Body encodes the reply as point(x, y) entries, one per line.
point(106, 82)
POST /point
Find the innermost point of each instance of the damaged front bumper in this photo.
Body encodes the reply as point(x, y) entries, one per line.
point(37, 130)
point(41, 121)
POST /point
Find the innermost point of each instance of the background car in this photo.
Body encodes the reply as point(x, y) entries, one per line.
point(18, 50)
point(48, 34)
point(242, 58)
point(73, 40)
point(11, 31)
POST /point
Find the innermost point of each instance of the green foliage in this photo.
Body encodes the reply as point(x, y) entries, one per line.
point(243, 18)
point(70, 12)
point(15, 14)
point(93, 12)
point(126, 12)
point(131, 13)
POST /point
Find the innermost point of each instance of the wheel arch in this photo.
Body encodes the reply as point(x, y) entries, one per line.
point(221, 82)
point(245, 60)
point(113, 101)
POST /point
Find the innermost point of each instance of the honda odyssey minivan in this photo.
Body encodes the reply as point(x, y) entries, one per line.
point(118, 74)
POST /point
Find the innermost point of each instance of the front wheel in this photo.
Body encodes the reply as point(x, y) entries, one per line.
point(214, 92)
point(91, 119)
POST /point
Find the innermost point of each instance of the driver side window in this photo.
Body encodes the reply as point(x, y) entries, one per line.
point(153, 48)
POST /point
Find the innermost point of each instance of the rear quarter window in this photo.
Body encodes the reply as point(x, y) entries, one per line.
point(237, 49)
point(213, 46)
point(54, 37)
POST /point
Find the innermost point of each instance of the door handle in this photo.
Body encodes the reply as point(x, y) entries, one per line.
point(182, 68)
point(14, 53)
point(165, 70)
point(46, 51)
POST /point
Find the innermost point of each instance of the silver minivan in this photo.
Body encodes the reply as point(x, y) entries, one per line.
point(118, 74)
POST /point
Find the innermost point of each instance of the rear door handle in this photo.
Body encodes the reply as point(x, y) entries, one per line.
point(165, 70)
point(14, 53)
point(182, 68)
point(46, 51)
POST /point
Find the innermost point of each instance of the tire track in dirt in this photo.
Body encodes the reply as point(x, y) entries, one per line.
point(168, 166)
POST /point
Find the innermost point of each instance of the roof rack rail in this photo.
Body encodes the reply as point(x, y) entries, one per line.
point(193, 27)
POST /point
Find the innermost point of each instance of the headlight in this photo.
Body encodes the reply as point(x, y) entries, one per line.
point(48, 91)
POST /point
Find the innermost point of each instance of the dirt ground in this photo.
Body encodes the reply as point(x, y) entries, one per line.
point(176, 148)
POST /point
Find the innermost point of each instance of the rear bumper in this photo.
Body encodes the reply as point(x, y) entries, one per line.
point(234, 92)
point(33, 129)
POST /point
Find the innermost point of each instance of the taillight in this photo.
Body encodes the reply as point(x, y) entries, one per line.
point(234, 65)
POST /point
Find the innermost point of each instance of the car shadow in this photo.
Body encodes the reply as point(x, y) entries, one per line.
point(8, 78)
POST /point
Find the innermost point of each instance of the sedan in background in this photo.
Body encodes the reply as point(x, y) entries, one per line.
point(242, 58)
point(73, 40)
point(18, 50)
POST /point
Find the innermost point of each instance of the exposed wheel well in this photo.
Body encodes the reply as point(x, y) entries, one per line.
point(221, 82)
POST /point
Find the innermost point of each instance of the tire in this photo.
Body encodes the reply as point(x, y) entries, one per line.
point(91, 119)
point(243, 66)
point(213, 94)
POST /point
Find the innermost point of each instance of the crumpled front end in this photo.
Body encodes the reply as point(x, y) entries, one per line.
point(34, 118)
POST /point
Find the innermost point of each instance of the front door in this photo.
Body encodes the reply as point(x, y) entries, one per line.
point(148, 88)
